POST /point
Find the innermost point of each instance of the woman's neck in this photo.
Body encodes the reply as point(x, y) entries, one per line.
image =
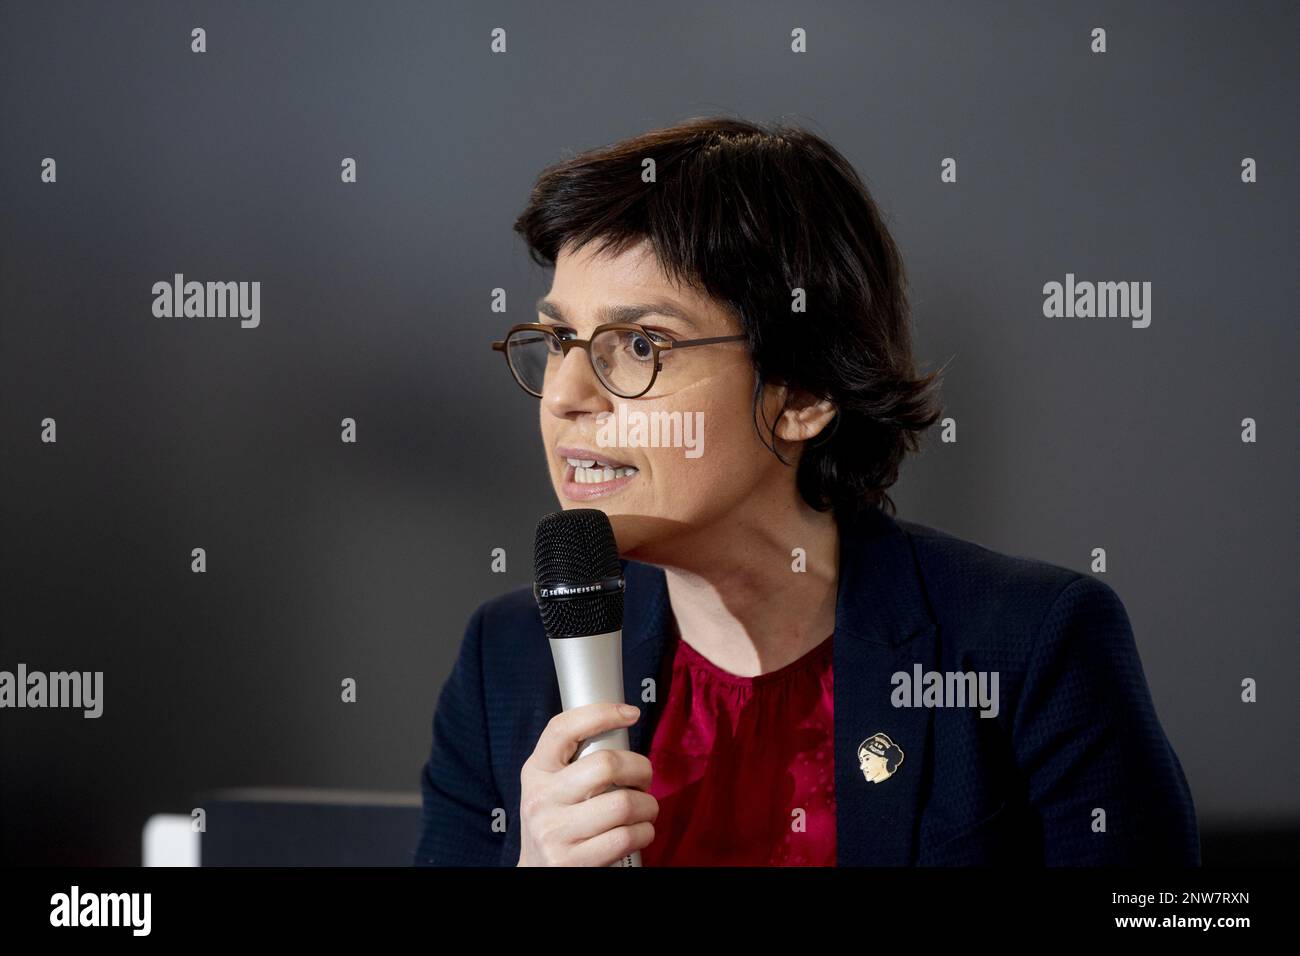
point(748, 601)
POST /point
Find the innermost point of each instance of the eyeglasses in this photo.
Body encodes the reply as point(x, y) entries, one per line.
point(626, 357)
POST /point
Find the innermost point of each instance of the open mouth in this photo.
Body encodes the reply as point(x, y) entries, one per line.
point(594, 471)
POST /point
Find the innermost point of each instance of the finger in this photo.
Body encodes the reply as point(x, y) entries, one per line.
point(597, 772)
point(566, 731)
point(612, 845)
point(619, 807)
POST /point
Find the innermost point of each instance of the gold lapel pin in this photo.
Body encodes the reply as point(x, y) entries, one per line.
point(879, 757)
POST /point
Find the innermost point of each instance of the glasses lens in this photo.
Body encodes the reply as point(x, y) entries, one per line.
point(624, 360)
point(529, 352)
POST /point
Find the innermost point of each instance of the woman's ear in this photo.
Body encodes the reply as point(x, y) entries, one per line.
point(805, 417)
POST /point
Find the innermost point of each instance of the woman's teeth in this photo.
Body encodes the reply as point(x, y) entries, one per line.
point(588, 472)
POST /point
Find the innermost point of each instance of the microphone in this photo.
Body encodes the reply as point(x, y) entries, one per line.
point(578, 584)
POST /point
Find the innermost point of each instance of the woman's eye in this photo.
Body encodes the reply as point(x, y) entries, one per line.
point(639, 345)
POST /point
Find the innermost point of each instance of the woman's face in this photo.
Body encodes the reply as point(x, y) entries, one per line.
point(874, 767)
point(675, 490)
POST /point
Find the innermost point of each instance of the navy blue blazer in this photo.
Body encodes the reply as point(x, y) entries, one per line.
point(1076, 732)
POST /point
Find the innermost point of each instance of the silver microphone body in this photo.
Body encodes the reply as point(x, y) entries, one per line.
point(590, 670)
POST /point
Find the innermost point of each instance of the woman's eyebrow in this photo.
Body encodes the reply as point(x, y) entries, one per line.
point(623, 313)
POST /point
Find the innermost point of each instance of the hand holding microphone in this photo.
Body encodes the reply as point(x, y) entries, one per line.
point(592, 811)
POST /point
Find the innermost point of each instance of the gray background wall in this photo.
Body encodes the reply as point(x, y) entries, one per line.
point(328, 560)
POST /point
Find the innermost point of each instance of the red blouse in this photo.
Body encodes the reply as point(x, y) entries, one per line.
point(733, 757)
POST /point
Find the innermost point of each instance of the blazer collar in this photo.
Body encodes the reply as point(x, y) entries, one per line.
point(882, 625)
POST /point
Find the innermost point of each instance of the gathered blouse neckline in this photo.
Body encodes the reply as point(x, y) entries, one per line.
point(701, 664)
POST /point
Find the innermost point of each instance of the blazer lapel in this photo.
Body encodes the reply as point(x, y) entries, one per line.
point(881, 627)
point(646, 618)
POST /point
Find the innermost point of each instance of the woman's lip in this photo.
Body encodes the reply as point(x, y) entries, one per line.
point(585, 492)
point(586, 454)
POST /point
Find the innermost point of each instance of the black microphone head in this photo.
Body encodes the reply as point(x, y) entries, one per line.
point(575, 550)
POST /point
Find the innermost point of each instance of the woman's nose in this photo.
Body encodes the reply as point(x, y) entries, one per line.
point(573, 387)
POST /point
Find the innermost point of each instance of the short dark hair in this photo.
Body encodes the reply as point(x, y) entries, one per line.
point(747, 213)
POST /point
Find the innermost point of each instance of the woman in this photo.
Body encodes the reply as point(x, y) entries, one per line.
point(817, 682)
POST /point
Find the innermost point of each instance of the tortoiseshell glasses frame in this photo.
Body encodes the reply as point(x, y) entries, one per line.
point(655, 340)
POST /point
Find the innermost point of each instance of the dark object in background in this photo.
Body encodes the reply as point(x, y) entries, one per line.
point(289, 827)
point(1262, 843)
